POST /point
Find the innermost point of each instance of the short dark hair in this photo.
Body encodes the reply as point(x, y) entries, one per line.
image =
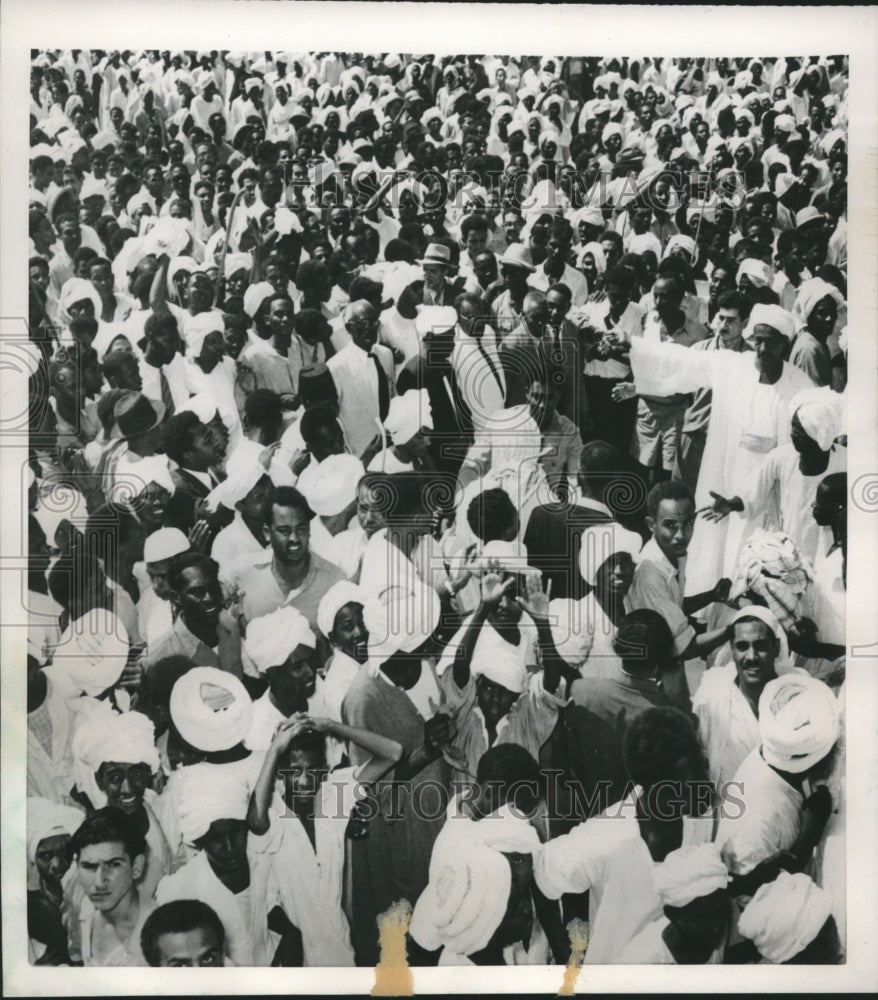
point(490, 513)
point(189, 560)
point(73, 574)
point(673, 489)
point(108, 825)
point(612, 236)
point(178, 434)
point(473, 222)
point(655, 742)
point(313, 419)
point(733, 299)
point(643, 641)
point(285, 496)
point(512, 775)
point(178, 917)
point(262, 408)
point(158, 322)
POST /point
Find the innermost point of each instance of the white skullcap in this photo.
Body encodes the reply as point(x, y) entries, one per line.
point(205, 795)
point(600, 542)
point(45, 819)
point(273, 637)
point(690, 873)
point(199, 327)
point(164, 544)
point(131, 478)
point(255, 296)
point(500, 662)
point(572, 640)
point(339, 594)
point(235, 262)
point(201, 405)
point(407, 414)
point(435, 319)
point(759, 273)
point(400, 619)
point(128, 739)
point(93, 652)
point(332, 484)
point(782, 661)
point(769, 315)
point(798, 721)
point(785, 916)
point(464, 904)
point(821, 414)
point(211, 709)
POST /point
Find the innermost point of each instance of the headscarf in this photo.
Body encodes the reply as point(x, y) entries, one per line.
point(407, 414)
point(770, 315)
point(782, 661)
point(76, 290)
point(332, 484)
point(771, 566)
point(799, 722)
point(211, 709)
point(273, 637)
point(602, 541)
point(339, 594)
point(205, 797)
point(690, 873)
point(821, 414)
point(785, 916)
point(759, 273)
point(464, 903)
point(45, 819)
point(597, 252)
point(809, 294)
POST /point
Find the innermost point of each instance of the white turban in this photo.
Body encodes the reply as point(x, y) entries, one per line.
point(235, 262)
point(769, 315)
point(76, 290)
point(809, 294)
point(782, 661)
point(131, 478)
point(784, 123)
point(45, 819)
point(339, 594)
point(286, 221)
point(206, 795)
point(241, 476)
point(611, 129)
point(211, 709)
point(332, 484)
point(641, 242)
point(93, 188)
point(128, 739)
point(589, 215)
point(759, 273)
point(683, 242)
point(785, 916)
point(399, 620)
point(273, 637)
point(690, 873)
point(799, 721)
point(500, 662)
point(178, 265)
point(202, 405)
point(139, 200)
point(164, 544)
point(597, 252)
point(92, 652)
point(199, 327)
point(601, 541)
point(407, 414)
point(255, 296)
point(821, 413)
point(464, 904)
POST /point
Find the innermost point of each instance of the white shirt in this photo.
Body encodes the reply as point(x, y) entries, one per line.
point(482, 382)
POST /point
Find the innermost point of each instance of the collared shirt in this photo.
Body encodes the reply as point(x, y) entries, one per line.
point(575, 281)
point(181, 642)
point(660, 585)
point(628, 325)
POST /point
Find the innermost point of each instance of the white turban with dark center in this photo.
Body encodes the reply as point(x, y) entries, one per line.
point(690, 873)
point(820, 411)
point(273, 637)
point(785, 916)
point(205, 795)
point(769, 315)
point(339, 594)
point(211, 709)
point(799, 722)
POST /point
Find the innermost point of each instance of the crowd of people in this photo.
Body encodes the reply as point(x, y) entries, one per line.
point(437, 498)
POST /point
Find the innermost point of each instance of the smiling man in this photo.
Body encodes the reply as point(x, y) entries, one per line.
point(184, 934)
point(111, 856)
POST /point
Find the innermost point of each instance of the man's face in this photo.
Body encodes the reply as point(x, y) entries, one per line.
point(363, 328)
point(71, 235)
point(225, 844)
point(370, 511)
point(124, 784)
point(485, 268)
point(512, 226)
point(556, 251)
point(306, 768)
point(673, 526)
point(617, 574)
point(665, 295)
point(195, 949)
point(754, 650)
point(640, 218)
point(557, 307)
point(52, 860)
point(730, 327)
point(535, 315)
point(494, 700)
point(612, 252)
point(517, 922)
point(327, 440)
point(280, 322)
point(349, 633)
point(339, 222)
point(822, 319)
point(289, 534)
point(271, 187)
point(200, 292)
point(107, 874)
point(166, 344)
point(158, 577)
point(542, 402)
point(434, 276)
point(249, 187)
point(294, 681)
point(475, 242)
point(824, 509)
point(769, 346)
point(199, 597)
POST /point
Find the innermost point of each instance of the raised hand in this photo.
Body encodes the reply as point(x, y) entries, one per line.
point(719, 509)
point(493, 586)
point(535, 600)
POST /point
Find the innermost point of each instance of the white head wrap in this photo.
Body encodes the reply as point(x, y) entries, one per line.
point(76, 290)
point(690, 873)
point(255, 296)
point(164, 544)
point(770, 315)
point(782, 661)
point(93, 652)
point(821, 414)
point(332, 484)
point(93, 188)
point(809, 294)
point(273, 637)
point(600, 542)
point(198, 329)
point(464, 903)
point(178, 265)
point(128, 739)
point(211, 709)
point(131, 478)
point(500, 662)
point(407, 414)
point(204, 796)
point(611, 129)
point(45, 819)
point(798, 721)
point(770, 565)
point(339, 594)
point(202, 405)
point(235, 262)
point(138, 201)
point(588, 214)
point(683, 242)
point(435, 319)
point(759, 273)
point(597, 252)
point(241, 476)
point(400, 619)
point(785, 916)
point(641, 242)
